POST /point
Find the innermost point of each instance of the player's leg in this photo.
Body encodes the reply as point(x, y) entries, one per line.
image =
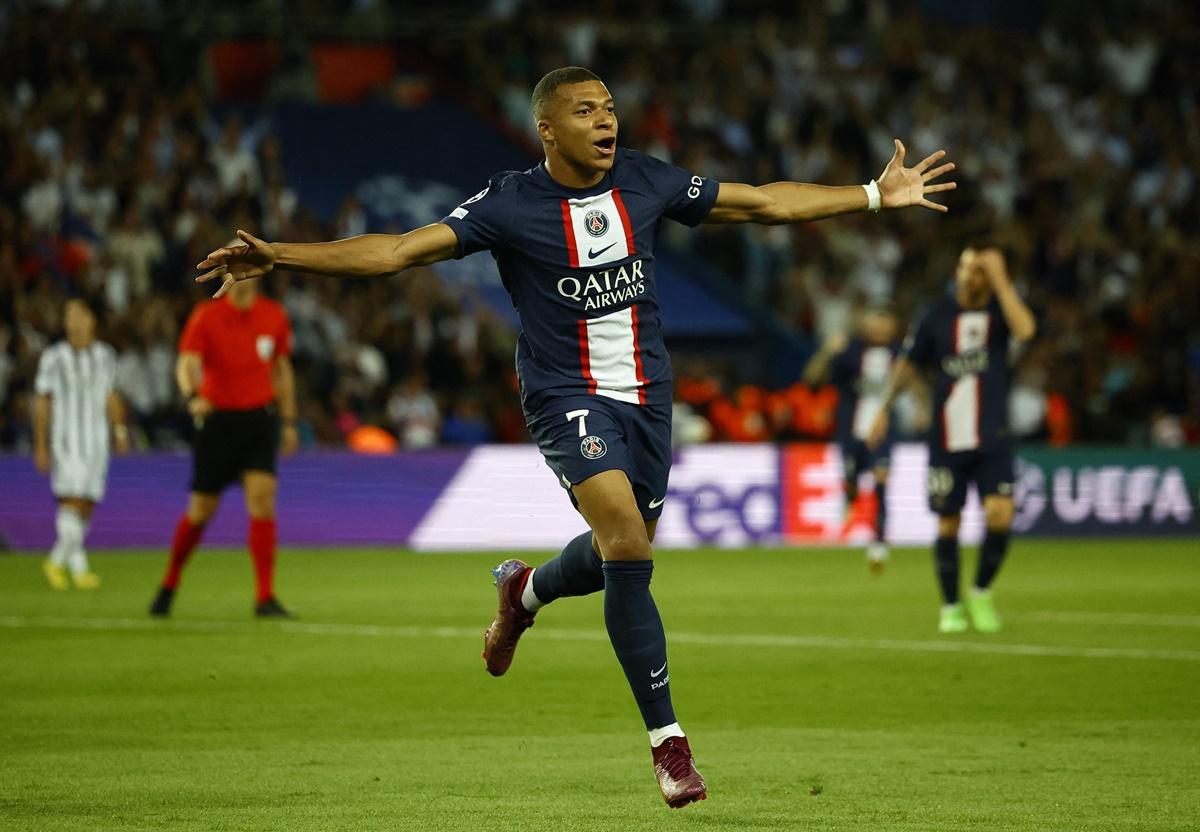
point(877, 551)
point(260, 488)
point(77, 560)
point(635, 628)
point(213, 469)
point(947, 488)
point(995, 484)
point(201, 507)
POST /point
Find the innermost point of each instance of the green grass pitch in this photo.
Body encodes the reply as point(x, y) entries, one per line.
point(816, 697)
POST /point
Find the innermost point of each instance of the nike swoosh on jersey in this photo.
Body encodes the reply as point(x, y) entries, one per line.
point(654, 674)
point(593, 254)
point(657, 503)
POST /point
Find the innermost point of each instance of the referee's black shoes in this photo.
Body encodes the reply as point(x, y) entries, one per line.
point(271, 608)
point(160, 607)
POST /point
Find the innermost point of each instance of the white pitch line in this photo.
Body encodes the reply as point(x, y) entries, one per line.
point(1136, 619)
point(948, 645)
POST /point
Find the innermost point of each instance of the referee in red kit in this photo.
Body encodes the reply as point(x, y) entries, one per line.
point(234, 367)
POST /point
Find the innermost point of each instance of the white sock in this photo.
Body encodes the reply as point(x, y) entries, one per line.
point(660, 735)
point(69, 526)
point(529, 599)
point(77, 559)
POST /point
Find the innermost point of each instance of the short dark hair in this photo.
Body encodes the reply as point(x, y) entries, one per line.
point(554, 79)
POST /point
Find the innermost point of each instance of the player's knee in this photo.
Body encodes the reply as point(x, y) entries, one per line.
point(629, 541)
point(998, 513)
point(881, 477)
point(948, 526)
point(201, 509)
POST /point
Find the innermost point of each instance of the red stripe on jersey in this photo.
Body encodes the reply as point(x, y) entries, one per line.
point(585, 360)
point(569, 231)
point(637, 350)
point(628, 226)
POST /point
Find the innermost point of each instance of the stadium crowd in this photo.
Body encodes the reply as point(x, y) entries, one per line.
point(1072, 145)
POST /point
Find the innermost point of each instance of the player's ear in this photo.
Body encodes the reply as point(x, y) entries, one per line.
point(545, 131)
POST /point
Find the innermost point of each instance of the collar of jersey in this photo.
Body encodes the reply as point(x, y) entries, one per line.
point(603, 185)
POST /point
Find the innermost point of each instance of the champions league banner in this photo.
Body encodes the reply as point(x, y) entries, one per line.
point(504, 497)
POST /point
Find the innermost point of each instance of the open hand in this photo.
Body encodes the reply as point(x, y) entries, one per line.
point(254, 258)
point(900, 187)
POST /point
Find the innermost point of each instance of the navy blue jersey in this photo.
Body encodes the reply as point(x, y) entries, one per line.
point(579, 265)
point(860, 372)
point(969, 351)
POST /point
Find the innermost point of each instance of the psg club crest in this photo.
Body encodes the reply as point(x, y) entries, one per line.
point(593, 447)
point(596, 223)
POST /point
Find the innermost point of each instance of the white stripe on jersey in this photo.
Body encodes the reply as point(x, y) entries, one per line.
point(613, 363)
point(78, 384)
point(872, 379)
point(597, 229)
point(962, 412)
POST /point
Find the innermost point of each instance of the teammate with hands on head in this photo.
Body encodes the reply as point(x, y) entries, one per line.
point(574, 241)
point(967, 342)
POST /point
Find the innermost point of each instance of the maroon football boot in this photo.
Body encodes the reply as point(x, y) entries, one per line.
point(500, 639)
point(676, 771)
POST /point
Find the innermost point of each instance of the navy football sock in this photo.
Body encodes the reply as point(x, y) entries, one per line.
point(991, 556)
point(574, 572)
point(881, 514)
point(637, 636)
point(945, 551)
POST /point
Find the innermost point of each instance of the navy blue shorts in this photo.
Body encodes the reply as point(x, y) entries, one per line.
point(991, 469)
point(581, 436)
point(857, 457)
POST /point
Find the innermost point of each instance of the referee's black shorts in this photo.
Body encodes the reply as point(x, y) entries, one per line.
point(230, 443)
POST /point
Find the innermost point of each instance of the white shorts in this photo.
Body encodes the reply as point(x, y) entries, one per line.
point(79, 476)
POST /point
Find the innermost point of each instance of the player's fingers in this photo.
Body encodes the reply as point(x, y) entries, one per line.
point(936, 172)
point(899, 154)
point(946, 186)
point(229, 281)
point(207, 276)
point(928, 161)
point(925, 203)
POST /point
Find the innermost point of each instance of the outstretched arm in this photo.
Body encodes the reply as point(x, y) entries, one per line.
point(369, 255)
point(788, 202)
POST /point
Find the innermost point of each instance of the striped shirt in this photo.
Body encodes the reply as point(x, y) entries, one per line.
point(78, 383)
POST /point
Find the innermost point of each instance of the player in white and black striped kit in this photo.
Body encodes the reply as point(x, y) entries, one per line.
point(74, 408)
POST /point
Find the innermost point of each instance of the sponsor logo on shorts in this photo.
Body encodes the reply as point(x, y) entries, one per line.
point(592, 447)
point(596, 223)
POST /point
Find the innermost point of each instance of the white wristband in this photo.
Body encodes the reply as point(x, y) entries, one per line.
point(874, 199)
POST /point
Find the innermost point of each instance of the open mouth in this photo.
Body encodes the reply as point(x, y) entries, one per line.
point(607, 146)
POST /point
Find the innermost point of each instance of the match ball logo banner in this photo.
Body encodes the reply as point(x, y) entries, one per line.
point(505, 497)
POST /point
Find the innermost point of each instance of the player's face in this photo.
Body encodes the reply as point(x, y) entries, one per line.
point(79, 322)
point(581, 125)
point(969, 277)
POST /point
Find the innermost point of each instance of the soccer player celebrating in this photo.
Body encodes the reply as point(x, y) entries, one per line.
point(574, 240)
point(74, 408)
point(233, 364)
point(967, 340)
point(860, 367)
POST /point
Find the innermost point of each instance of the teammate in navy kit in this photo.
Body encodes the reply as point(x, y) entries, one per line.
point(860, 367)
point(574, 241)
point(967, 342)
